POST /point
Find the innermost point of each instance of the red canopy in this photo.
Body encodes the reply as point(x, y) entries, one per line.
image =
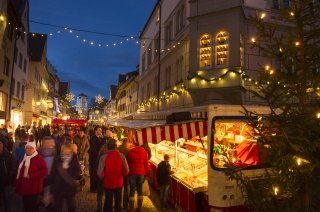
point(69, 121)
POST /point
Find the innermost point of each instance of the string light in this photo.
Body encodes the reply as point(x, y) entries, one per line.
point(318, 115)
point(2, 18)
point(253, 40)
point(292, 13)
point(297, 43)
point(275, 190)
point(263, 15)
point(298, 160)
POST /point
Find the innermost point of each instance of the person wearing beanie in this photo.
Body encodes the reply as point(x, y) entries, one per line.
point(30, 177)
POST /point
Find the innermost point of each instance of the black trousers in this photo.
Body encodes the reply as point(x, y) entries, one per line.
point(93, 177)
point(70, 201)
point(111, 194)
point(30, 203)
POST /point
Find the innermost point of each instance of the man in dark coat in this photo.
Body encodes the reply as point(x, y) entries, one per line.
point(96, 142)
point(7, 176)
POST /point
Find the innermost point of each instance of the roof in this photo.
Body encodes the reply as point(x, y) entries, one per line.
point(125, 77)
point(150, 16)
point(113, 91)
point(82, 94)
point(19, 5)
point(37, 44)
point(136, 124)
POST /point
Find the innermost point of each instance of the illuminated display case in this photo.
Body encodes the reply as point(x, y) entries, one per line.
point(190, 167)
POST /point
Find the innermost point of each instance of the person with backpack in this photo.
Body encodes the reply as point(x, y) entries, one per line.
point(112, 167)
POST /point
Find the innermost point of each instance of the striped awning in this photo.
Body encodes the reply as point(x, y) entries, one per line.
point(171, 132)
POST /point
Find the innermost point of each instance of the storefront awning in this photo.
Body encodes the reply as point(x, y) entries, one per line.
point(156, 131)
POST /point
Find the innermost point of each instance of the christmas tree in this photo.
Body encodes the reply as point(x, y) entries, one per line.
point(288, 137)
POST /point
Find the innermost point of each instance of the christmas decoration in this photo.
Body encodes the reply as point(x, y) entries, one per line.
point(99, 99)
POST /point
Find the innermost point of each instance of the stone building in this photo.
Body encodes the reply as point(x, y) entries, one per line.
point(202, 53)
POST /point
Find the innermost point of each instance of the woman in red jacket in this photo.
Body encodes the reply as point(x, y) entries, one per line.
point(139, 169)
point(30, 177)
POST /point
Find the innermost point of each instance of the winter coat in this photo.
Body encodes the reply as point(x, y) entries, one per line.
point(60, 186)
point(82, 144)
point(95, 145)
point(138, 161)
point(7, 169)
point(112, 167)
point(32, 185)
point(163, 173)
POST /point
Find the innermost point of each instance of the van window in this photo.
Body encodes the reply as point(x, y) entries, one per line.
point(233, 144)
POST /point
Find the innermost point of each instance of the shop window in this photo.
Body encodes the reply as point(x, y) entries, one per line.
point(6, 66)
point(168, 33)
point(18, 89)
point(233, 144)
point(168, 77)
point(20, 60)
point(241, 51)
point(3, 101)
point(205, 51)
point(143, 62)
point(25, 66)
point(222, 49)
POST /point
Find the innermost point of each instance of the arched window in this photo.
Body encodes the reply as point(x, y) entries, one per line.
point(222, 49)
point(205, 51)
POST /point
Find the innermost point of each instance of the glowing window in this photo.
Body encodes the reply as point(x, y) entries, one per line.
point(205, 51)
point(222, 48)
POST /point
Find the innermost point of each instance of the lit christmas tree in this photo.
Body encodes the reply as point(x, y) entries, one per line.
point(288, 137)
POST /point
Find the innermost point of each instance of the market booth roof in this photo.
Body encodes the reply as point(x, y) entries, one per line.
point(157, 130)
point(69, 121)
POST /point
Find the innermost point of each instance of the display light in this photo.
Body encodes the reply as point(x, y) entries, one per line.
point(2, 18)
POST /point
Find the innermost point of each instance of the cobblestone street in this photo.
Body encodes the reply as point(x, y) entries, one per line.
point(86, 201)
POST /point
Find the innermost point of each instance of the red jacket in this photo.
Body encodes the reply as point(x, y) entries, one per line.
point(138, 161)
point(34, 184)
point(112, 167)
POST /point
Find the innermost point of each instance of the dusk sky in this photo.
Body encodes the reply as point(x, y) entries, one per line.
point(91, 69)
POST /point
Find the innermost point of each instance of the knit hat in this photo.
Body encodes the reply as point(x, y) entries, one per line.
point(31, 144)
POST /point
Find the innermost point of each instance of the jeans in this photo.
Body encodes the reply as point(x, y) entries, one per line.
point(164, 193)
point(110, 194)
point(135, 182)
point(31, 203)
point(71, 203)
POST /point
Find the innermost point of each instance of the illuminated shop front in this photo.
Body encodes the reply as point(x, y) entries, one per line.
point(3, 106)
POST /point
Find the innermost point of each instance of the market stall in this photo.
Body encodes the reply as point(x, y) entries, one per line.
point(80, 122)
point(186, 144)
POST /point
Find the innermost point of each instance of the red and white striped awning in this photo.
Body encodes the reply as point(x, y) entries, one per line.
point(171, 132)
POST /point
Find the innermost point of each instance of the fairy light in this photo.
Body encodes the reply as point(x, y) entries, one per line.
point(297, 43)
point(2, 18)
point(291, 13)
point(275, 190)
point(263, 15)
point(299, 161)
point(253, 40)
point(280, 49)
point(318, 115)
point(271, 72)
point(267, 67)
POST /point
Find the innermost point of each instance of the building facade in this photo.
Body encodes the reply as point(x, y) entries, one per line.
point(82, 105)
point(196, 53)
point(127, 94)
point(20, 66)
point(9, 23)
point(39, 108)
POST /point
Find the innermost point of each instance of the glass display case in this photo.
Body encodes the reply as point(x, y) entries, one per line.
point(189, 166)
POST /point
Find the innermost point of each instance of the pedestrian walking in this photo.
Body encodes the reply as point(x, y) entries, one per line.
point(139, 170)
point(96, 143)
point(124, 149)
point(64, 175)
point(163, 179)
point(7, 175)
point(48, 152)
point(30, 177)
point(82, 142)
point(112, 168)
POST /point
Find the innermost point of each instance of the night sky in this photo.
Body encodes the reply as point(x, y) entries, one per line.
point(91, 69)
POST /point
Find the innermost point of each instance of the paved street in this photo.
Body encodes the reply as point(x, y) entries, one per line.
point(86, 201)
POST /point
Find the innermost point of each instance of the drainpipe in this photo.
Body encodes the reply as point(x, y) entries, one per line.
point(159, 55)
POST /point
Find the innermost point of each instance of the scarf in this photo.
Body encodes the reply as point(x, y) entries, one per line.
point(66, 161)
point(26, 162)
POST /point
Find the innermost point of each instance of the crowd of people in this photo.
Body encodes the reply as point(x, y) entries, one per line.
point(44, 167)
